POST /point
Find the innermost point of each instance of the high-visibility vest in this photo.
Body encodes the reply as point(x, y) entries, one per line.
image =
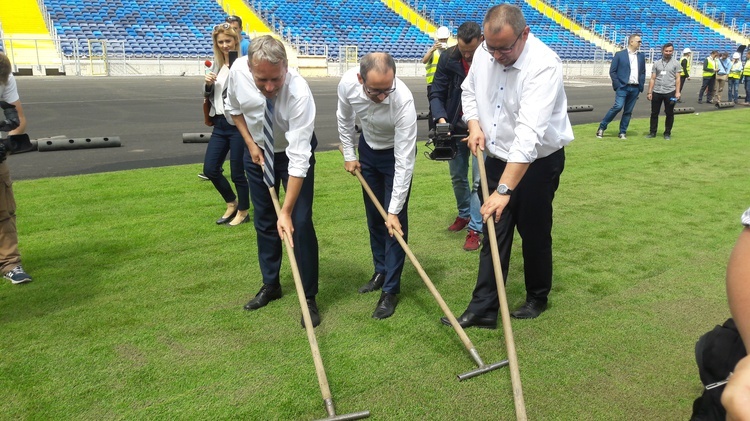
point(746, 70)
point(431, 66)
point(682, 70)
point(709, 69)
point(736, 70)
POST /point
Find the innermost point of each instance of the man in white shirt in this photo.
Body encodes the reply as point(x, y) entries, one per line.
point(258, 83)
point(387, 152)
point(10, 257)
point(516, 110)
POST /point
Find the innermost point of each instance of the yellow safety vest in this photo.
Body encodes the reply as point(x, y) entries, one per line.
point(711, 65)
point(431, 66)
point(736, 70)
point(746, 70)
point(689, 62)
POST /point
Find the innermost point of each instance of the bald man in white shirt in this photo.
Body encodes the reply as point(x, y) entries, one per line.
point(516, 110)
point(387, 152)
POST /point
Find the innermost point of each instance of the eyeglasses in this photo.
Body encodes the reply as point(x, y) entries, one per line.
point(378, 92)
point(507, 50)
point(223, 26)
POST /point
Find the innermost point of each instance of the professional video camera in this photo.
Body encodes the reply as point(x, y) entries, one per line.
point(444, 143)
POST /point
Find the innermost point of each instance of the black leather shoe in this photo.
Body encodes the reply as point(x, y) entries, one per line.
point(376, 282)
point(223, 220)
point(469, 319)
point(314, 314)
point(529, 310)
point(386, 306)
point(266, 294)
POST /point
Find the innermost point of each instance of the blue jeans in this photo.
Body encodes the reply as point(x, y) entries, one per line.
point(226, 139)
point(467, 197)
point(625, 97)
point(734, 89)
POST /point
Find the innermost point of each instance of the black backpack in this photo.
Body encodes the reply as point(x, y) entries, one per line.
point(716, 352)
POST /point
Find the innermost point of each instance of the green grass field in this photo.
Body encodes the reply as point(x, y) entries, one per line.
point(135, 311)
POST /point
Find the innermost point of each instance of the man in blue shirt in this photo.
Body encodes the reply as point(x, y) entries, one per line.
point(236, 23)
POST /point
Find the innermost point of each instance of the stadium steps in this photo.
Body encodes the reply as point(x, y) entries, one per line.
point(250, 20)
point(410, 15)
point(27, 40)
point(699, 17)
point(552, 13)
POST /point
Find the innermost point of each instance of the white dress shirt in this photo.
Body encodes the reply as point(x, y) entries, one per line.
point(633, 59)
point(216, 91)
point(522, 109)
point(293, 113)
point(391, 124)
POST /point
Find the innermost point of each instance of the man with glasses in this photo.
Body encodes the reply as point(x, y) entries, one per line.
point(236, 23)
point(517, 112)
point(274, 110)
point(628, 74)
point(387, 152)
point(445, 102)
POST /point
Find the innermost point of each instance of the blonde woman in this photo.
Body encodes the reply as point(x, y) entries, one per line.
point(225, 138)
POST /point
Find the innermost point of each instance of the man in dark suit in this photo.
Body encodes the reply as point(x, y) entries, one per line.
point(628, 74)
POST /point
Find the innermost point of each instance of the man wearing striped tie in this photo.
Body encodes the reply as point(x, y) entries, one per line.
point(387, 152)
point(273, 108)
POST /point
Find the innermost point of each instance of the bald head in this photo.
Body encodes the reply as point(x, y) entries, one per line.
point(381, 63)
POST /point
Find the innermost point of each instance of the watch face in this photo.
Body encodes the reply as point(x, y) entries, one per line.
point(503, 189)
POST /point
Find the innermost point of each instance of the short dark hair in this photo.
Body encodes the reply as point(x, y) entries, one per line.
point(469, 31)
point(5, 68)
point(667, 45)
point(234, 18)
point(379, 62)
point(504, 14)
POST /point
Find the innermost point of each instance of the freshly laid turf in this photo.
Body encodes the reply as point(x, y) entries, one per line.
point(135, 311)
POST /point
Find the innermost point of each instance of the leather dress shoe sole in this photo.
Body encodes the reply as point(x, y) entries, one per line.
point(222, 220)
point(529, 310)
point(375, 283)
point(469, 319)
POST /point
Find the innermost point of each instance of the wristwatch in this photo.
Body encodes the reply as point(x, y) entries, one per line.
point(504, 190)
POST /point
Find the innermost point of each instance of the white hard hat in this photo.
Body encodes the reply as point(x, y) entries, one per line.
point(686, 51)
point(443, 33)
point(735, 55)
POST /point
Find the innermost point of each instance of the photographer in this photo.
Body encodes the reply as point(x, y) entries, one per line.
point(13, 122)
point(445, 102)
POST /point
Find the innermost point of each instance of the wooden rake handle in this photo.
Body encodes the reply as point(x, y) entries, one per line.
point(319, 369)
point(515, 374)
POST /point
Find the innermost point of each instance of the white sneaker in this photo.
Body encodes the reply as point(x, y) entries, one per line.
point(621, 136)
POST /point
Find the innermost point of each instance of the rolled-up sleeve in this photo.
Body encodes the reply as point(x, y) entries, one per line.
point(468, 97)
point(301, 126)
point(404, 151)
point(345, 119)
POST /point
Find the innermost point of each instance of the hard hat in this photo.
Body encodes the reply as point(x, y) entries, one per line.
point(686, 51)
point(735, 55)
point(443, 33)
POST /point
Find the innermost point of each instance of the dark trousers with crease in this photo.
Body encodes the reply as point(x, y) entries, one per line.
point(530, 211)
point(657, 100)
point(267, 234)
point(388, 257)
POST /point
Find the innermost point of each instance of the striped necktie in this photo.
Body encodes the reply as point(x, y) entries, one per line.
point(268, 175)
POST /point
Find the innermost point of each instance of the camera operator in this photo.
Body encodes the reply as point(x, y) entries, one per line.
point(445, 102)
point(13, 122)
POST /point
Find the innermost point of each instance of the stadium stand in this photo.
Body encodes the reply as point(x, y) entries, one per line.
point(657, 22)
point(149, 28)
point(732, 13)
